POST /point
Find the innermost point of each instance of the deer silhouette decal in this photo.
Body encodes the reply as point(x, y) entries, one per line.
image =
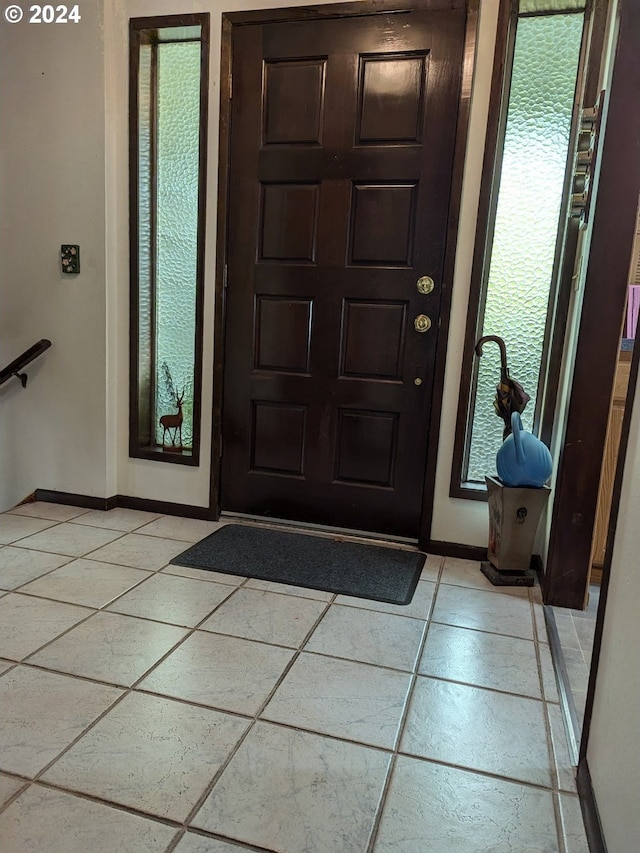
point(173, 422)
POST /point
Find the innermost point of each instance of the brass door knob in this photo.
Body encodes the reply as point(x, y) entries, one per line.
point(425, 284)
point(422, 323)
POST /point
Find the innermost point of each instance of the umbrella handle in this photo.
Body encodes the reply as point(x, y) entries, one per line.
point(501, 344)
point(516, 427)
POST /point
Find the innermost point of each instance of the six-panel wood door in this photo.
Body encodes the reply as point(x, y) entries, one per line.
point(342, 138)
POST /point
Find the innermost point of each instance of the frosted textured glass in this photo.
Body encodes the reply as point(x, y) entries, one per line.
point(144, 234)
point(527, 218)
point(178, 128)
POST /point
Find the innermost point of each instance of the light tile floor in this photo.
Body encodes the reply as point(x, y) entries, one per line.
point(576, 631)
point(147, 707)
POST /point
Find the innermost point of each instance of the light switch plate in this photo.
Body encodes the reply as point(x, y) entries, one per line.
point(70, 258)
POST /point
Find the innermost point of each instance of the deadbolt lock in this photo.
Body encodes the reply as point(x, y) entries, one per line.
point(425, 284)
point(422, 323)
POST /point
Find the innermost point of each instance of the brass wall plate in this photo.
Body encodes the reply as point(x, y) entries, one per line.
point(425, 284)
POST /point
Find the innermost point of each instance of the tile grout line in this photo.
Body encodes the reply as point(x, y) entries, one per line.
point(19, 543)
point(233, 588)
point(13, 543)
point(290, 726)
point(120, 807)
point(15, 510)
point(47, 571)
point(21, 789)
point(94, 611)
point(98, 608)
point(557, 810)
point(126, 690)
point(233, 843)
point(134, 685)
point(94, 798)
point(190, 629)
point(396, 752)
point(256, 717)
point(122, 533)
point(87, 556)
point(567, 707)
point(384, 793)
point(551, 749)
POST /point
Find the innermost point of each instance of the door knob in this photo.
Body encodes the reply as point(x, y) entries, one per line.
point(422, 323)
point(425, 284)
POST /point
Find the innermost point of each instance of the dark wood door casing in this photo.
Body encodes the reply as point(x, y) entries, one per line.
point(339, 201)
point(597, 350)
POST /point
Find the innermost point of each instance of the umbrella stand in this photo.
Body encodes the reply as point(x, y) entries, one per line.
point(514, 512)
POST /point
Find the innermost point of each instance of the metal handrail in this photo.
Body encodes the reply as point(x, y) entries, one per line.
point(17, 364)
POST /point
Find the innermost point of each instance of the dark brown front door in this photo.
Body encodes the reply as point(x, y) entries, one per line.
point(342, 137)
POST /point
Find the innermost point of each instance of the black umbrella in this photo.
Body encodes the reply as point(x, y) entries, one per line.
point(510, 395)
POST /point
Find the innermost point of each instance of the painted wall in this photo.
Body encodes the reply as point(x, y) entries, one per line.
point(456, 520)
point(614, 738)
point(52, 434)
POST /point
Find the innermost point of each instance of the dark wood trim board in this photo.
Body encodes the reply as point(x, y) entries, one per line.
point(72, 499)
point(614, 218)
point(115, 501)
point(590, 815)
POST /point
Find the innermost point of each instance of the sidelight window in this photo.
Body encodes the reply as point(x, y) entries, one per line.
point(521, 227)
point(168, 90)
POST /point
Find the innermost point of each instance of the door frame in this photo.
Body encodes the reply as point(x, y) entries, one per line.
point(231, 20)
point(624, 137)
point(582, 449)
